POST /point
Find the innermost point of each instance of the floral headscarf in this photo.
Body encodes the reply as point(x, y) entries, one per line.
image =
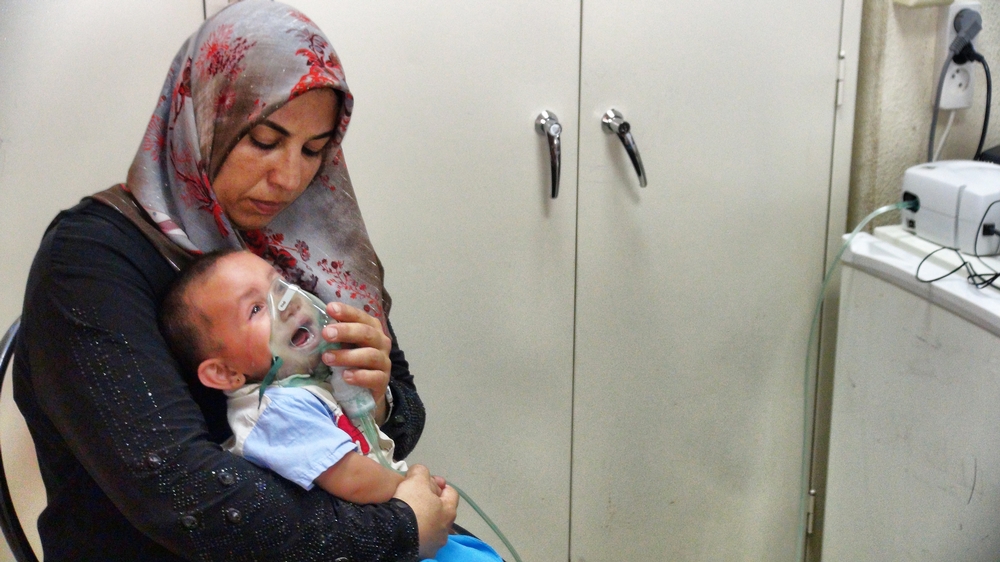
point(238, 68)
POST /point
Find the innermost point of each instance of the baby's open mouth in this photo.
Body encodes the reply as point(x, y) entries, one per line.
point(302, 337)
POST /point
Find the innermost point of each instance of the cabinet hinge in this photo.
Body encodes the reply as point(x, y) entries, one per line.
point(811, 512)
point(841, 74)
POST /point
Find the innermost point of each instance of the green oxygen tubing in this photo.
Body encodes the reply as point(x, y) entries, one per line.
point(297, 320)
point(810, 389)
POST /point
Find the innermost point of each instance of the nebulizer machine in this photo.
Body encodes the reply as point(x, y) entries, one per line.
point(297, 345)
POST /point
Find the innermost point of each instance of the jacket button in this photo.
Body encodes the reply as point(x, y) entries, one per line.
point(341, 559)
point(234, 515)
point(398, 418)
point(227, 478)
point(154, 460)
point(189, 521)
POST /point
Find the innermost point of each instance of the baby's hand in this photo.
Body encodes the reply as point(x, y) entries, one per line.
point(440, 481)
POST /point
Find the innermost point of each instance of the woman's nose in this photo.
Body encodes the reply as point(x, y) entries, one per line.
point(287, 172)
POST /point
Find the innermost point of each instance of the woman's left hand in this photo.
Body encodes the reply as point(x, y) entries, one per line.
point(364, 353)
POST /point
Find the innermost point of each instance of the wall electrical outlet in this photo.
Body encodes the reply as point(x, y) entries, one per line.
point(959, 83)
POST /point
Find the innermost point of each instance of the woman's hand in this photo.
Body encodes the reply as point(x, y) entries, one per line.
point(364, 352)
point(433, 502)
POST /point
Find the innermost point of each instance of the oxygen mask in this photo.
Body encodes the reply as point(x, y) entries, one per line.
point(297, 345)
point(297, 321)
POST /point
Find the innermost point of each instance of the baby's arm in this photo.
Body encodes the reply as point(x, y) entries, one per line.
point(359, 479)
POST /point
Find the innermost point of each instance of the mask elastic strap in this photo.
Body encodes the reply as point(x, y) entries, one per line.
point(269, 378)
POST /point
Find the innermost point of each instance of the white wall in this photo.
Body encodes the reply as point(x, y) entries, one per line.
point(78, 78)
point(896, 87)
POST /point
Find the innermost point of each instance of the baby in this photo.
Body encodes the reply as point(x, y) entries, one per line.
point(215, 318)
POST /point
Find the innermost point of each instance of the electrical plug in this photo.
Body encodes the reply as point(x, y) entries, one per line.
point(967, 54)
point(968, 24)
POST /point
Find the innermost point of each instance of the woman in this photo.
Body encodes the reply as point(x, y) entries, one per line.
point(242, 150)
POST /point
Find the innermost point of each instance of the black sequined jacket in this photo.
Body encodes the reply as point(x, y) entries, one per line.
point(129, 448)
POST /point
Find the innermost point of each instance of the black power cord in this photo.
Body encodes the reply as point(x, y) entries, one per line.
point(969, 53)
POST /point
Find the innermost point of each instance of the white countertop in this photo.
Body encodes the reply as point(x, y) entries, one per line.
point(893, 254)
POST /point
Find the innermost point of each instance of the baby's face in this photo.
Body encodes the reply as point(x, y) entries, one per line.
point(233, 299)
point(295, 335)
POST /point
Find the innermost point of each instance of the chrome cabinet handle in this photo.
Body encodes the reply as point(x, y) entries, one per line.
point(548, 125)
point(615, 123)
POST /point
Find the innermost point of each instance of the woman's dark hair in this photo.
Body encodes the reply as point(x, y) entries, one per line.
point(181, 325)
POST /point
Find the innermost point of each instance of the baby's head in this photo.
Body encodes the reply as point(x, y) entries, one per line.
point(216, 321)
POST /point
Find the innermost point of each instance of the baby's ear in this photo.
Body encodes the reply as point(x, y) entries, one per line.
point(214, 373)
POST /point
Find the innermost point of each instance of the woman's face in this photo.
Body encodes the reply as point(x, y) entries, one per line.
point(273, 164)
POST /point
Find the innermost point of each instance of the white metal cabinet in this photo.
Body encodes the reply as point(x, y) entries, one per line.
point(677, 377)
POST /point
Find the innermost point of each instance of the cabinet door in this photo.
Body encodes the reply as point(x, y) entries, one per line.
point(453, 181)
point(695, 294)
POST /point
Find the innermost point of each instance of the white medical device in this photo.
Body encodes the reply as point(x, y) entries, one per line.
point(959, 205)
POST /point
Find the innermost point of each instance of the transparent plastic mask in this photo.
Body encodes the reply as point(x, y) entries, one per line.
point(297, 321)
point(297, 344)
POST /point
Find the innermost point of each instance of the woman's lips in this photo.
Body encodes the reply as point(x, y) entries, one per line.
point(267, 208)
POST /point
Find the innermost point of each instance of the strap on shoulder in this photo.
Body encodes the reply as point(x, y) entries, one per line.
point(122, 201)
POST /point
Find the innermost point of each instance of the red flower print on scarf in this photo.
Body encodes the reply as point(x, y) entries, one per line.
point(324, 179)
point(222, 54)
point(303, 249)
point(324, 68)
point(181, 90)
point(153, 140)
point(256, 241)
point(227, 96)
point(348, 287)
point(301, 17)
point(354, 433)
point(197, 192)
point(270, 246)
point(281, 258)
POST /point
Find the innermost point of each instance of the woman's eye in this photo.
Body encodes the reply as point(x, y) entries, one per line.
point(314, 151)
point(262, 145)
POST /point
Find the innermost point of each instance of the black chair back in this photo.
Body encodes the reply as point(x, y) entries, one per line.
point(9, 522)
